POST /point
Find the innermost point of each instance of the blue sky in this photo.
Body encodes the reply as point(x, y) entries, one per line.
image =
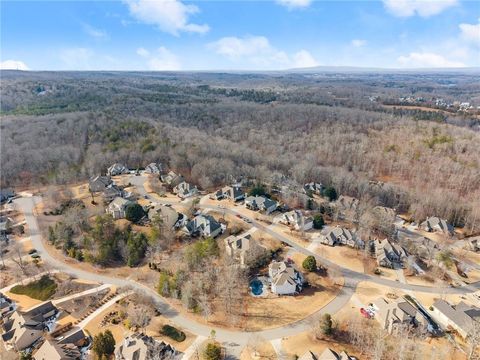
point(238, 35)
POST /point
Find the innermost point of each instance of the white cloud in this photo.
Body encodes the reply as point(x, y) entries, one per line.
point(143, 52)
point(257, 51)
point(160, 60)
point(358, 42)
point(471, 32)
point(93, 32)
point(13, 65)
point(303, 59)
point(77, 58)
point(427, 60)
point(295, 4)
point(424, 8)
point(170, 16)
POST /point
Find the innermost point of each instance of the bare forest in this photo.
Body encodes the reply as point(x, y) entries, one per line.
point(275, 128)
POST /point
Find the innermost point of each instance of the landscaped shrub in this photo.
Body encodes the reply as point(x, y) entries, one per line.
point(42, 289)
point(173, 333)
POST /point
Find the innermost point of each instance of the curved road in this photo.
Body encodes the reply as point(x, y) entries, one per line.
point(232, 339)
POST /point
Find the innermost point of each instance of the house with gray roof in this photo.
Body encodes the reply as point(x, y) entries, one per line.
point(185, 190)
point(285, 279)
point(341, 236)
point(24, 328)
point(260, 203)
point(170, 217)
point(460, 318)
point(203, 225)
point(313, 187)
point(389, 254)
point(99, 183)
point(329, 354)
point(295, 219)
point(398, 313)
point(435, 224)
point(237, 246)
point(155, 169)
point(6, 194)
point(143, 347)
point(117, 169)
point(65, 347)
point(117, 207)
point(171, 179)
point(233, 193)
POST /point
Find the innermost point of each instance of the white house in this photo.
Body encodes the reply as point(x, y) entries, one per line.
point(461, 317)
point(117, 207)
point(286, 280)
point(295, 219)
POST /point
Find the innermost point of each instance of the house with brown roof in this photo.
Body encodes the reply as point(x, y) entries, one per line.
point(389, 254)
point(237, 246)
point(171, 218)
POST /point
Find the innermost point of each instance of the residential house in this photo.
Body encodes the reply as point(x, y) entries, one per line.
point(285, 279)
point(203, 225)
point(66, 347)
point(398, 313)
point(6, 194)
point(99, 183)
point(389, 254)
point(6, 306)
point(341, 236)
point(295, 219)
point(117, 169)
point(237, 246)
point(23, 329)
point(260, 203)
point(171, 219)
point(117, 207)
point(113, 191)
point(185, 190)
point(171, 179)
point(233, 193)
point(143, 347)
point(313, 188)
point(329, 354)
point(308, 355)
point(434, 224)
point(154, 169)
point(461, 317)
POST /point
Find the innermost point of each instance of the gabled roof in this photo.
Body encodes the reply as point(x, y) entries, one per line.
point(462, 315)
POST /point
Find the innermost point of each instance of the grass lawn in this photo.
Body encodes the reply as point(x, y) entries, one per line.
point(42, 289)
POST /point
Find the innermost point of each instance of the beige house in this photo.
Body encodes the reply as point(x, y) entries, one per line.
point(285, 279)
point(389, 254)
point(237, 246)
point(295, 219)
point(185, 190)
point(54, 350)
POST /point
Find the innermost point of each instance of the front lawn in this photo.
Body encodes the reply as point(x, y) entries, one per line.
point(42, 289)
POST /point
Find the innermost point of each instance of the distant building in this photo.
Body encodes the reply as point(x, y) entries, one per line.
point(398, 313)
point(185, 190)
point(313, 187)
point(203, 225)
point(117, 207)
point(154, 169)
point(295, 219)
point(117, 169)
point(233, 193)
point(171, 179)
point(140, 347)
point(286, 280)
point(260, 203)
point(461, 317)
point(433, 224)
point(99, 183)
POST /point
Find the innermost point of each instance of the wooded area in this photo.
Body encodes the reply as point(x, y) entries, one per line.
point(62, 127)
